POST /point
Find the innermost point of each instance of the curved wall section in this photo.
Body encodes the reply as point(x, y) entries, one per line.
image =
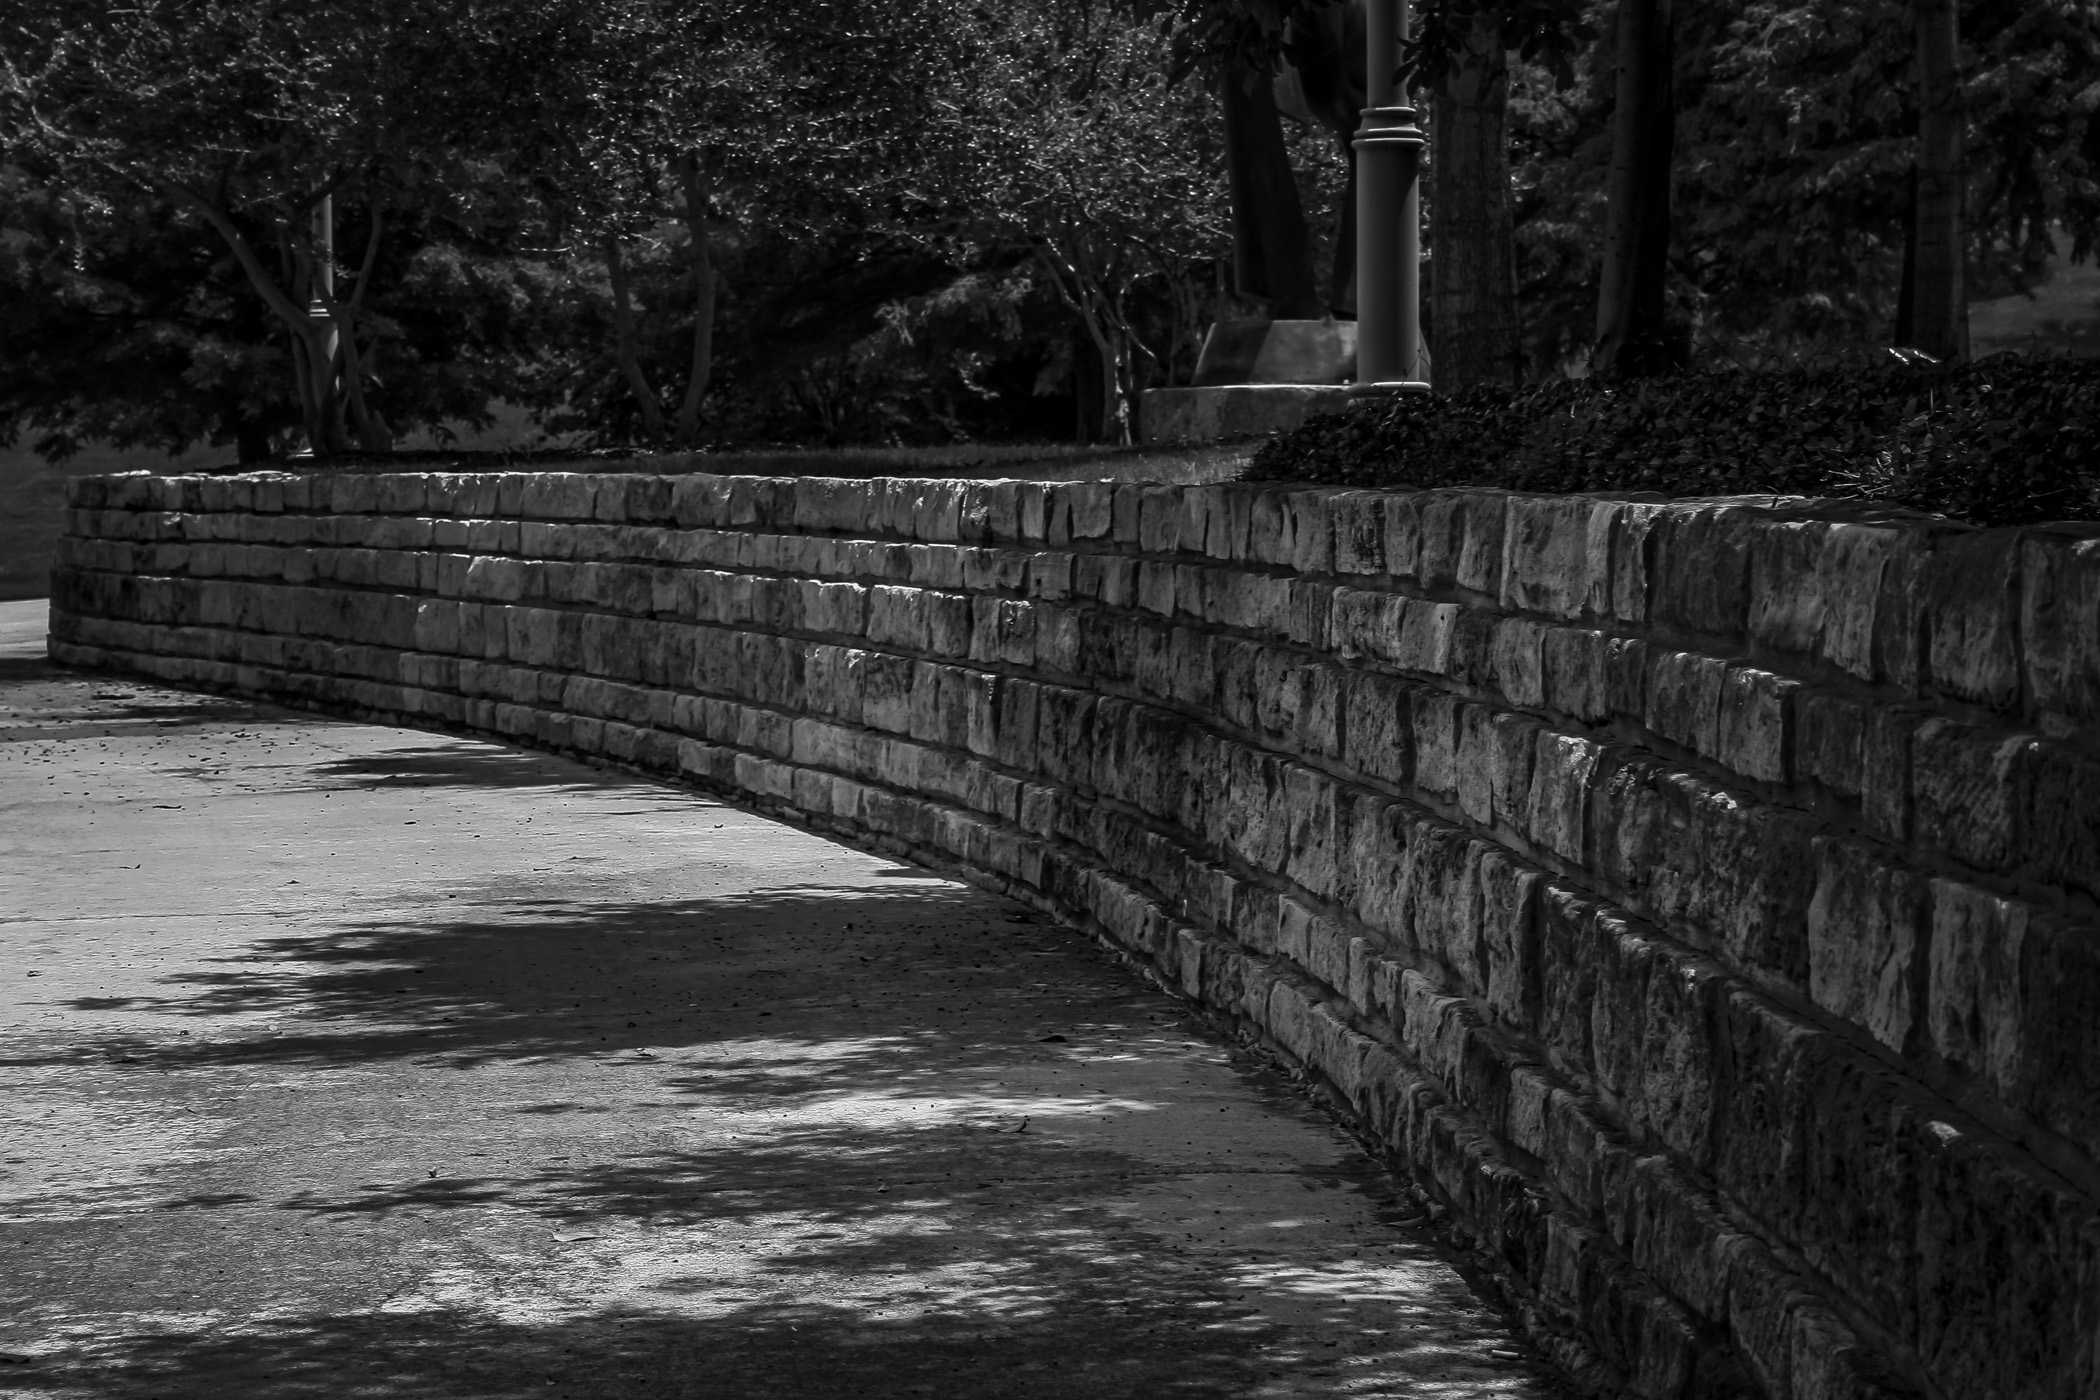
point(1698, 899)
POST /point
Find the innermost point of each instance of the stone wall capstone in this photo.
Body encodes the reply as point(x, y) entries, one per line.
point(1697, 899)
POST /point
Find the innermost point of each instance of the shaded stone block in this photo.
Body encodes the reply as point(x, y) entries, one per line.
point(1972, 601)
point(1558, 810)
point(1357, 519)
point(1470, 651)
point(1425, 636)
point(1790, 603)
point(2003, 1257)
point(1830, 740)
point(1754, 723)
point(2060, 832)
point(1366, 624)
point(2059, 592)
point(1683, 693)
point(1572, 662)
point(1967, 787)
point(1509, 937)
point(1548, 560)
point(1866, 940)
point(1517, 660)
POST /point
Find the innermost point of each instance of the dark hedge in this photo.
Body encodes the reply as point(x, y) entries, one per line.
point(2004, 441)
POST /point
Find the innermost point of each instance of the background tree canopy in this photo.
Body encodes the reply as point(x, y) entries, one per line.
point(884, 220)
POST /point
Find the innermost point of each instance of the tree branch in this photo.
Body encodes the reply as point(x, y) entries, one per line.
point(364, 270)
point(292, 314)
point(688, 425)
point(624, 345)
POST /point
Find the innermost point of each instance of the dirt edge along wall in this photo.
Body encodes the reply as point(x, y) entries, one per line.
point(1696, 898)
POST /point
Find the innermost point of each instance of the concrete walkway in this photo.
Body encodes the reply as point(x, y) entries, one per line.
point(339, 1060)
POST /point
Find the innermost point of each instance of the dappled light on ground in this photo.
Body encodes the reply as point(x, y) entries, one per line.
point(353, 1062)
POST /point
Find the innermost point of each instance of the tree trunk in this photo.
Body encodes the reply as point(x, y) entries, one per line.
point(373, 435)
point(325, 350)
point(1631, 336)
point(372, 432)
point(316, 349)
point(624, 344)
point(1939, 300)
point(1112, 353)
point(251, 439)
point(1341, 278)
point(1085, 291)
point(1473, 300)
point(1115, 392)
point(303, 379)
point(320, 402)
point(1906, 329)
point(688, 426)
point(1272, 258)
point(1087, 414)
point(316, 339)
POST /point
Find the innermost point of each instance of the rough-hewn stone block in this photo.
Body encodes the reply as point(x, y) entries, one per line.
point(1867, 940)
point(1967, 789)
point(1973, 601)
point(1572, 664)
point(1547, 561)
point(2059, 593)
point(1753, 728)
point(2060, 819)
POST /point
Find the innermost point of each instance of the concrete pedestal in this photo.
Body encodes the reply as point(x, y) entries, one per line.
point(1234, 410)
point(1256, 351)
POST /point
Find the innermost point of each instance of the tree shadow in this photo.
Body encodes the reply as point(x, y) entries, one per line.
point(942, 1201)
point(895, 1138)
point(1041, 1285)
point(82, 704)
point(516, 976)
point(1105, 1333)
point(472, 763)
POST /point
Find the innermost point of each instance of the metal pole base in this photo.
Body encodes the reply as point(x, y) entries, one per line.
point(1388, 249)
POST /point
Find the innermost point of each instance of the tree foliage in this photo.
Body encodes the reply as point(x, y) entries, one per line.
point(1798, 129)
point(1084, 157)
point(394, 126)
point(852, 219)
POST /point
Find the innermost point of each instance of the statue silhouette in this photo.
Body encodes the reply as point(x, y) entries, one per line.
point(1319, 80)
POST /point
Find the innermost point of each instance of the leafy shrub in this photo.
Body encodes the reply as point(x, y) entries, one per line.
point(2004, 441)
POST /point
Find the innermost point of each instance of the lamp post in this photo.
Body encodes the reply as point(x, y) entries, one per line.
point(320, 431)
point(1388, 215)
point(324, 274)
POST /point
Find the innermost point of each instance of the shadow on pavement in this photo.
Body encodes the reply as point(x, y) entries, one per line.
point(882, 1139)
point(899, 1168)
point(553, 976)
point(1105, 1332)
point(467, 763)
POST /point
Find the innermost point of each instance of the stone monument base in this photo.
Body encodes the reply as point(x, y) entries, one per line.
point(1233, 410)
point(1277, 352)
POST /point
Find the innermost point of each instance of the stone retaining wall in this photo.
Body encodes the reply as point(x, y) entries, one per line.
point(1698, 899)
